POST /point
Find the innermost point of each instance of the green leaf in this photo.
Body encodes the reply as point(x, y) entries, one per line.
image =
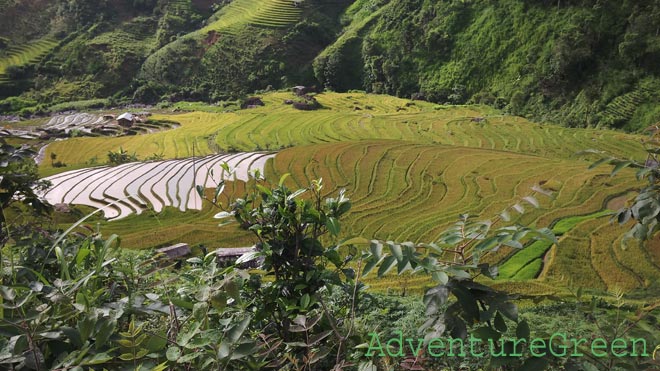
point(224, 350)
point(296, 194)
point(600, 162)
point(396, 250)
point(509, 310)
point(371, 264)
point(218, 190)
point(485, 333)
point(333, 225)
point(620, 165)
point(500, 325)
point(539, 189)
point(244, 350)
point(343, 208)
point(182, 303)
point(264, 190)
point(200, 190)
point(7, 293)
point(468, 303)
point(106, 329)
point(386, 266)
point(333, 256)
point(157, 342)
point(514, 244)
point(440, 277)
point(519, 208)
point(522, 331)
point(130, 356)
point(82, 254)
point(219, 301)
point(237, 330)
point(283, 178)
point(304, 301)
point(225, 166)
point(486, 244)
point(376, 249)
point(188, 358)
point(73, 335)
point(185, 337)
point(641, 173)
point(96, 359)
point(248, 257)
point(367, 366)
point(85, 327)
point(315, 339)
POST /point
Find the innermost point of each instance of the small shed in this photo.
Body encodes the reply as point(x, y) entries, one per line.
point(126, 119)
point(299, 90)
point(175, 251)
point(108, 116)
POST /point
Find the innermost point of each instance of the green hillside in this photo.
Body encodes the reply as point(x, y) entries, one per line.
point(577, 63)
point(22, 55)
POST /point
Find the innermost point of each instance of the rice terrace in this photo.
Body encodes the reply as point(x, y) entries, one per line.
point(344, 185)
point(410, 167)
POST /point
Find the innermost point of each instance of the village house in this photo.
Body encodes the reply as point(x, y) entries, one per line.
point(126, 119)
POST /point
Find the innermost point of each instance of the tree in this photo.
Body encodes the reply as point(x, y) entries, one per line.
point(289, 226)
point(121, 157)
point(19, 182)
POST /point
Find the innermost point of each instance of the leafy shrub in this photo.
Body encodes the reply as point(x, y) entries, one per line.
point(121, 157)
point(15, 104)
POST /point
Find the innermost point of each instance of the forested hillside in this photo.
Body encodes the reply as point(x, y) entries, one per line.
point(578, 63)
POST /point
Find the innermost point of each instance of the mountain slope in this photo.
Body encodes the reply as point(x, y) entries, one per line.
point(569, 61)
point(575, 62)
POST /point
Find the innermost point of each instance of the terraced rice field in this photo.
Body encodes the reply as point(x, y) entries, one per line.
point(279, 126)
point(132, 188)
point(527, 263)
point(258, 13)
point(591, 256)
point(78, 121)
point(25, 54)
point(410, 169)
point(405, 191)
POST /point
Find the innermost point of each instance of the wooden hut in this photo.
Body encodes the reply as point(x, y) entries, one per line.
point(126, 119)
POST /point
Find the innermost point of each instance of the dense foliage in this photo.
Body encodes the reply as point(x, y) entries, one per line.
point(73, 300)
point(575, 62)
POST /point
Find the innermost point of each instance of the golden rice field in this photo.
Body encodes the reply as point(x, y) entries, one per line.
point(410, 168)
point(276, 126)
